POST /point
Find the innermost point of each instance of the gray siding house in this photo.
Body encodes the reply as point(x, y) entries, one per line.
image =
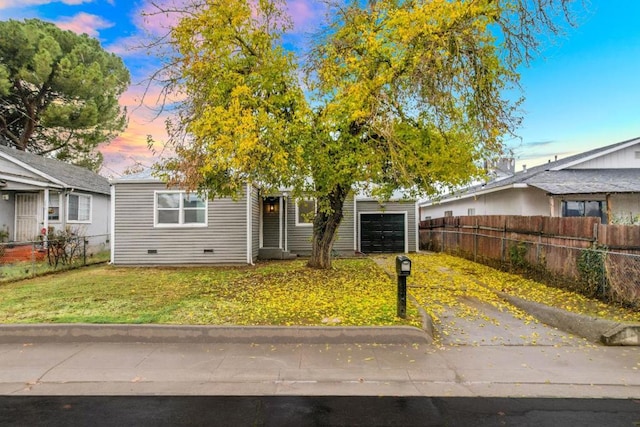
point(155, 225)
point(39, 194)
point(604, 182)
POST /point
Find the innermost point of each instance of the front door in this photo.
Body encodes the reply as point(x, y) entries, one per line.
point(26, 217)
point(271, 223)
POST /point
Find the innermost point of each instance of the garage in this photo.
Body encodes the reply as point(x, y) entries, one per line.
point(382, 232)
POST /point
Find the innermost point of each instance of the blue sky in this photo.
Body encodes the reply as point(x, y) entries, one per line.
point(582, 93)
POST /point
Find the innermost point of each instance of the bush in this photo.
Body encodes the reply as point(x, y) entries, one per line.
point(593, 274)
point(63, 246)
point(517, 255)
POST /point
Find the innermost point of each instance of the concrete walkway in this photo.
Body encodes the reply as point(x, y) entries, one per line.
point(172, 360)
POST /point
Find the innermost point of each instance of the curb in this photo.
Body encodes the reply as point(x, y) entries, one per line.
point(72, 332)
point(594, 329)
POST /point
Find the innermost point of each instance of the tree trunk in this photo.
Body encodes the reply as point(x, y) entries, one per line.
point(325, 226)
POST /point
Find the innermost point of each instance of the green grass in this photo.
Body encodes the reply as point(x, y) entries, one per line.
point(355, 292)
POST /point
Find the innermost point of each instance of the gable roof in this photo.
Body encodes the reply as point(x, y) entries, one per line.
point(587, 181)
point(56, 172)
point(555, 177)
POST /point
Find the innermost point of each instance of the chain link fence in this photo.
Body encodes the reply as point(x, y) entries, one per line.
point(595, 271)
point(63, 251)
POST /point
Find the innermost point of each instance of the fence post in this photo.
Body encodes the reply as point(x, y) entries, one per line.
point(33, 259)
point(475, 242)
point(84, 251)
point(504, 241)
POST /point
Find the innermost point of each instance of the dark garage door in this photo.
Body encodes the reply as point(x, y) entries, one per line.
point(381, 233)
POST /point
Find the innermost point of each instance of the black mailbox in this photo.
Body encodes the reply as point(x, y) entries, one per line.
point(403, 265)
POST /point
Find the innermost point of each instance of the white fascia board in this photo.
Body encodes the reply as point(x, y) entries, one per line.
point(474, 194)
point(32, 169)
point(596, 155)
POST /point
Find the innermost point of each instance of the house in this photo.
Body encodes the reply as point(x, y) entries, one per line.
point(604, 182)
point(39, 194)
point(155, 225)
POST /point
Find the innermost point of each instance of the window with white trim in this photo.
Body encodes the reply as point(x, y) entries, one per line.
point(79, 208)
point(305, 212)
point(53, 210)
point(180, 209)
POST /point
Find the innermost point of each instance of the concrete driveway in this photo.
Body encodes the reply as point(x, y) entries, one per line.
point(463, 318)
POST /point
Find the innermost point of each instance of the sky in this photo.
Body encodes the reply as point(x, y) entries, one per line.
point(582, 92)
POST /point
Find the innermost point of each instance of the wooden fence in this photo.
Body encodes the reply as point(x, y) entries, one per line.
point(552, 244)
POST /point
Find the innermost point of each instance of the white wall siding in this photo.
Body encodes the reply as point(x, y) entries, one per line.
point(514, 201)
point(135, 234)
point(625, 208)
point(622, 159)
point(100, 216)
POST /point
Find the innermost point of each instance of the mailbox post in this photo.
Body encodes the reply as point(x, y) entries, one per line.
point(403, 269)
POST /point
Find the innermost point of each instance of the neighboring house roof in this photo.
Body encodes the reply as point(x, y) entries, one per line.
point(59, 173)
point(144, 176)
point(554, 177)
point(587, 181)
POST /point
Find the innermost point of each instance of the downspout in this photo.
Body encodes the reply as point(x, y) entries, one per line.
point(45, 216)
point(249, 226)
point(280, 205)
point(286, 224)
point(112, 208)
point(355, 224)
point(261, 233)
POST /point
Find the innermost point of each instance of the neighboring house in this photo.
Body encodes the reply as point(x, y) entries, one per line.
point(37, 193)
point(604, 182)
point(156, 225)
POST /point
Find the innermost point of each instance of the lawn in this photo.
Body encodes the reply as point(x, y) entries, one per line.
point(355, 292)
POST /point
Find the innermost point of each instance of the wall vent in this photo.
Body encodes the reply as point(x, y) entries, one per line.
point(208, 251)
point(637, 153)
point(152, 251)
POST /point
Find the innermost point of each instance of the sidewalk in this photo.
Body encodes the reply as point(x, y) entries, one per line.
point(174, 360)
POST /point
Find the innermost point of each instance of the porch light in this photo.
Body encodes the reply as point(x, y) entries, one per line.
point(271, 207)
point(5, 197)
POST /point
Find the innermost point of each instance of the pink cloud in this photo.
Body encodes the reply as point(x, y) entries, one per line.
point(84, 23)
point(157, 17)
point(145, 118)
point(306, 14)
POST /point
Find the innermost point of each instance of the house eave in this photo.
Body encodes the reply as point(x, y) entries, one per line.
point(29, 181)
point(473, 194)
point(32, 169)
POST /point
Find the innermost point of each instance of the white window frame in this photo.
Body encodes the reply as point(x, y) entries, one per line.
point(68, 209)
point(315, 208)
point(181, 223)
point(52, 195)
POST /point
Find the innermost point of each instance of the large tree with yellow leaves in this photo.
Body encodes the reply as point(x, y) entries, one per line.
point(393, 94)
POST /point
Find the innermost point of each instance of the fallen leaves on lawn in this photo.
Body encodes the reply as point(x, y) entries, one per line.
point(442, 282)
